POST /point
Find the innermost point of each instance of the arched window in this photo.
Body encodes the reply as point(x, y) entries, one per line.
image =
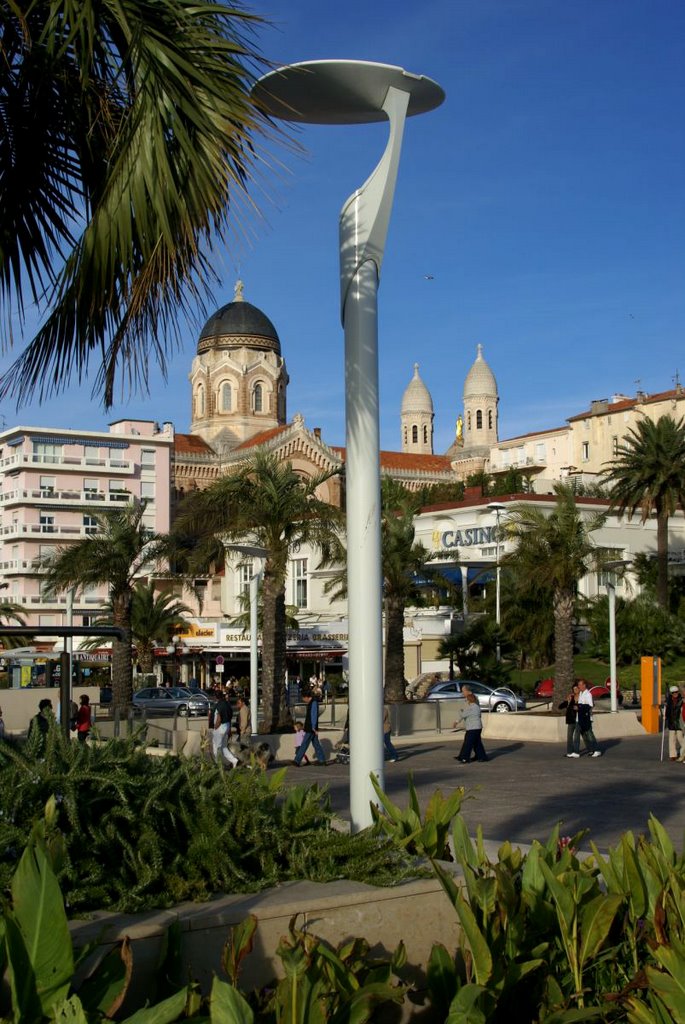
point(405, 435)
point(226, 397)
point(200, 401)
point(468, 420)
point(257, 398)
point(414, 434)
point(490, 419)
point(425, 435)
point(479, 419)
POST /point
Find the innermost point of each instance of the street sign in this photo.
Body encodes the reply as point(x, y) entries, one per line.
point(219, 669)
point(219, 660)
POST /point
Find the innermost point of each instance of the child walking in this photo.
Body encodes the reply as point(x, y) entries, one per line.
point(299, 739)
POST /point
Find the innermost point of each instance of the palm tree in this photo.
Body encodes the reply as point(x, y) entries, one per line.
point(648, 473)
point(155, 617)
point(553, 552)
point(405, 565)
point(11, 613)
point(126, 132)
point(267, 504)
point(121, 549)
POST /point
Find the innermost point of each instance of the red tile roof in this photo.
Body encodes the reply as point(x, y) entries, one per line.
point(191, 444)
point(630, 403)
point(263, 437)
point(408, 461)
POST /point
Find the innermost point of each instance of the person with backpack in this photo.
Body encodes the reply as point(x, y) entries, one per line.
point(220, 726)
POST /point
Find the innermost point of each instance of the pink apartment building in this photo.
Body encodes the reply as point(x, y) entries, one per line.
point(51, 484)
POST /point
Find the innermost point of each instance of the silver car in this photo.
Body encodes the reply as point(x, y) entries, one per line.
point(490, 698)
point(170, 700)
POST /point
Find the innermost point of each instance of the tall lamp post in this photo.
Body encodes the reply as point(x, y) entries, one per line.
point(610, 568)
point(497, 507)
point(253, 551)
point(357, 92)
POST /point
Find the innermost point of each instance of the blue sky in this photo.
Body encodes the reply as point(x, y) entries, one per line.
point(545, 200)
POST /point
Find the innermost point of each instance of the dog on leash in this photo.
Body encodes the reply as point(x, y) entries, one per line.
point(258, 756)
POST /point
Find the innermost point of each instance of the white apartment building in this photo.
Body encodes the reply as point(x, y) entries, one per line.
point(51, 484)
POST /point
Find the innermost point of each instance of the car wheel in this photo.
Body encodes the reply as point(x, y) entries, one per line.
point(182, 709)
point(501, 707)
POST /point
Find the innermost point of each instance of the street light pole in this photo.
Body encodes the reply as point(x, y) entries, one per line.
point(356, 92)
point(609, 568)
point(261, 553)
point(497, 507)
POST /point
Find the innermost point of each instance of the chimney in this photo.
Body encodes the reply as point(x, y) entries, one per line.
point(317, 433)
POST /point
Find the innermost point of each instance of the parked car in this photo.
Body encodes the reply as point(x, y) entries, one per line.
point(544, 688)
point(172, 700)
point(490, 698)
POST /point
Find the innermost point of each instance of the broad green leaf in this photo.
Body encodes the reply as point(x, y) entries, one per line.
point(39, 917)
point(637, 889)
point(661, 840)
point(104, 989)
point(482, 958)
point(562, 896)
point(238, 946)
point(69, 1012)
point(227, 1006)
point(161, 1013)
point(361, 1006)
point(442, 979)
point(532, 878)
point(463, 1009)
point(596, 920)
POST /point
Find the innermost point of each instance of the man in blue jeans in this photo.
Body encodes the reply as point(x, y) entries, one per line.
point(311, 725)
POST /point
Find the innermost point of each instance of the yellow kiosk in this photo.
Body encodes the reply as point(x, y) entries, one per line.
point(650, 689)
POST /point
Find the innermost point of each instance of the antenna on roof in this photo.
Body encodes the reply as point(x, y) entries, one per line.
point(675, 378)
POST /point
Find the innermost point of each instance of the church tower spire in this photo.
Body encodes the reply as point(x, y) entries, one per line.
point(416, 417)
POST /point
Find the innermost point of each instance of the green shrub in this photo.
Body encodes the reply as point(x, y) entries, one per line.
point(140, 832)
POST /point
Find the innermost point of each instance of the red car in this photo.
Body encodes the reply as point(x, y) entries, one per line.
point(545, 686)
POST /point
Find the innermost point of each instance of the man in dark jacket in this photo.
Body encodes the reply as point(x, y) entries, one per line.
point(674, 724)
point(311, 725)
point(221, 732)
point(39, 726)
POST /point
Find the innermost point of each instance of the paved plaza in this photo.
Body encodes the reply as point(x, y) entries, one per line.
point(526, 788)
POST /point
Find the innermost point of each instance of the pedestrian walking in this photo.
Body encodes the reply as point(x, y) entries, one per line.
point(471, 717)
point(585, 706)
point(387, 731)
point(311, 727)
point(299, 739)
point(570, 705)
point(83, 718)
point(221, 732)
point(673, 720)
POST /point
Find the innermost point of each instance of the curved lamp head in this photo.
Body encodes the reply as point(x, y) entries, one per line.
point(341, 91)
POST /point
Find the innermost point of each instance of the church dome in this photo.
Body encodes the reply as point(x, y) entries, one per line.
point(480, 380)
point(239, 324)
point(416, 397)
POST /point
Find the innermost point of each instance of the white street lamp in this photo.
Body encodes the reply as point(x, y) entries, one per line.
point(253, 551)
point(357, 92)
point(609, 568)
point(497, 507)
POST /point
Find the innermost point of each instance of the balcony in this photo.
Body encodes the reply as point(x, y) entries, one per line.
point(46, 496)
point(38, 530)
point(79, 463)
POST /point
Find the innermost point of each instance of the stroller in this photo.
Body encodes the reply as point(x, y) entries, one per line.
point(342, 747)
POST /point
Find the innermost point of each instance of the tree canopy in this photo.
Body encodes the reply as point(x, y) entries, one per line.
point(126, 136)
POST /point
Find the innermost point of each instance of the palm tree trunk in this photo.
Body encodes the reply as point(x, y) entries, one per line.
point(662, 559)
point(563, 646)
point(276, 713)
point(122, 660)
point(394, 650)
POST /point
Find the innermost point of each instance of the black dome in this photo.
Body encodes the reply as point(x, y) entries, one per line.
point(236, 324)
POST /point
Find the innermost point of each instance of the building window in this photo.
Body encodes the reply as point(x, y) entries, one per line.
point(245, 574)
point(90, 488)
point(489, 419)
point(405, 435)
point(47, 620)
point(257, 398)
point(414, 434)
point(117, 490)
point(540, 451)
point(47, 486)
point(226, 397)
point(425, 435)
point(479, 419)
point(47, 523)
point(614, 446)
point(88, 620)
point(468, 420)
point(200, 401)
point(147, 490)
point(147, 458)
point(299, 582)
point(585, 451)
point(90, 525)
point(46, 452)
